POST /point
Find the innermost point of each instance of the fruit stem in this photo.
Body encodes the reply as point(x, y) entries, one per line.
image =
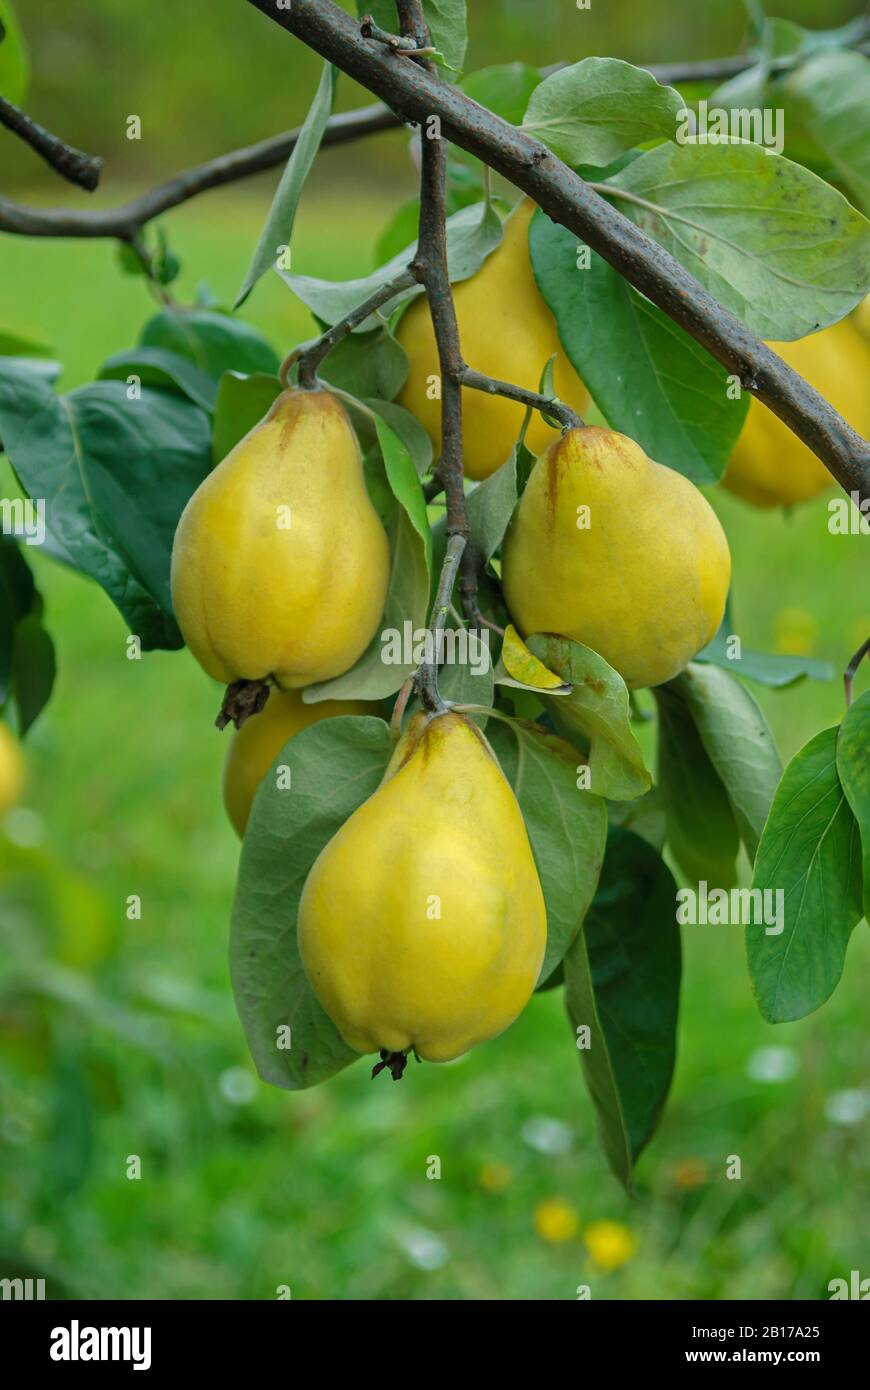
point(851, 669)
point(547, 405)
point(369, 30)
point(311, 357)
point(427, 672)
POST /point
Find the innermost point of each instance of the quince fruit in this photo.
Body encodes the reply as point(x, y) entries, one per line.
point(11, 769)
point(422, 923)
point(506, 331)
point(280, 562)
point(770, 466)
point(617, 552)
point(254, 748)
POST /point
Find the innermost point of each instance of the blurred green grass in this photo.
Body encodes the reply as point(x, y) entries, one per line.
point(119, 1038)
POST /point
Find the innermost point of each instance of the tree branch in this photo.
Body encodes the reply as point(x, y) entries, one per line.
point(125, 221)
point(567, 199)
point(72, 164)
point(431, 269)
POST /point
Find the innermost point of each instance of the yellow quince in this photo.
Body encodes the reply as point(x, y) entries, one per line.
point(617, 552)
point(280, 562)
point(506, 331)
point(254, 748)
point(422, 923)
point(770, 466)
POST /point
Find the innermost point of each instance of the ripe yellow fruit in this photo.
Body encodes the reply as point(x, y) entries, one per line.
point(770, 466)
point(506, 331)
point(280, 563)
point(641, 577)
point(11, 769)
point(422, 923)
point(861, 316)
point(253, 749)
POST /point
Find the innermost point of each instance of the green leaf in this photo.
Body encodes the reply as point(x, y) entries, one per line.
point(622, 981)
point(334, 766)
point(14, 62)
point(490, 507)
point(33, 670)
point(160, 367)
point(367, 364)
point(115, 475)
point(504, 89)
point(241, 403)
point(774, 243)
point(278, 230)
point(701, 830)
point(829, 96)
point(737, 741)
point(18, 596)
point(215, 343)
point(469, 681)
point(649, 378)
point(405, 484)
point(165, 265)
point(409, 430)
point(645, 816)
point(448, 29)
point(853, 769)
point(593, 111)
point(810, 852)
point(472, 233)
point(567, 826)
point(11, 345)
point(596, 713)
point(767, 668)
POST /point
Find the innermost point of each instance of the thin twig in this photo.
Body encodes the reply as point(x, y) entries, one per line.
point(143, 256)
point(432, 488)
point(73, 165)
point(397, 43)
point(427, 675)
point(431, 269)
point(852, 669)
point(125, 221)
point(311, 357)
point(399, 708)
point(547, 405)
point(412, 90)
